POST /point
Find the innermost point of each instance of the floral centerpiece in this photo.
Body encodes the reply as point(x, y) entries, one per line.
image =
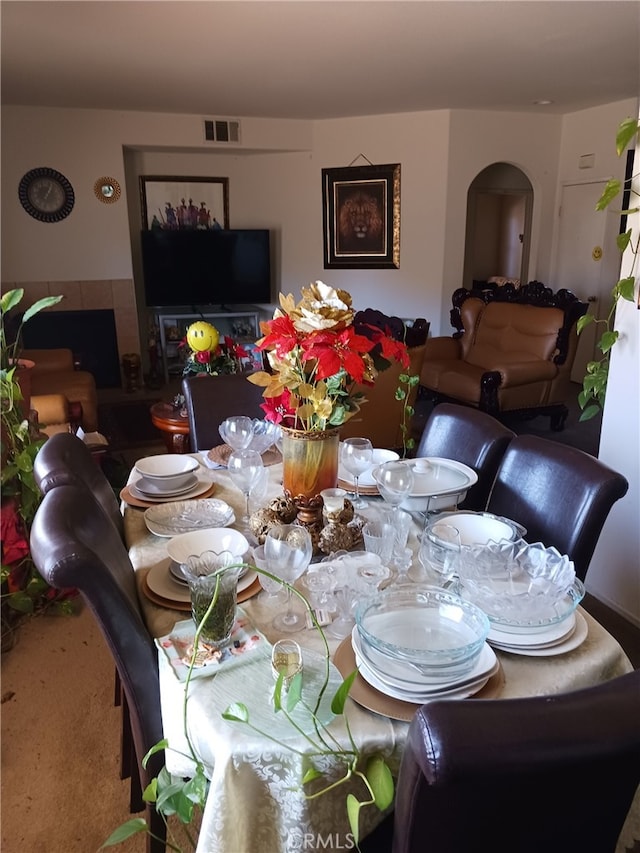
point(211, 354)
point(318, 358)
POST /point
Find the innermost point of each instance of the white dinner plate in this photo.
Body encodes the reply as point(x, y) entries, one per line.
point(458, 692)
point(154, 490)
point(485, 665)
point(555, 633)
point(176, 517)
point(575, 639)
point(203, 485)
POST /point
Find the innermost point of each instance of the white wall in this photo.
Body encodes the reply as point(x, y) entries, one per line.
point(275, 182)
point(614, 574)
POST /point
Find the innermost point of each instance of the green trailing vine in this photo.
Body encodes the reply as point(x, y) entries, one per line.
point(594, 385)
point(181, 798)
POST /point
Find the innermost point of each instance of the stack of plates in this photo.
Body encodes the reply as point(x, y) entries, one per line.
point(152, 492)
point(401, 681)
point(554, 638)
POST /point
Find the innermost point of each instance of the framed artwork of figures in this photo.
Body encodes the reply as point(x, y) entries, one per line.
point(184, 204)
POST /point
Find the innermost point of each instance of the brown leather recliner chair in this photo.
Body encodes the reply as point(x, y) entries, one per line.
point(55, 373)
point(513, 351)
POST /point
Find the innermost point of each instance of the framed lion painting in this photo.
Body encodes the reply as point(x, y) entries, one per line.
point(361, 217)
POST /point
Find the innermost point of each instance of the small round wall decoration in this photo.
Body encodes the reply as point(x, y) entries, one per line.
point(46, 194)
point(107, 190)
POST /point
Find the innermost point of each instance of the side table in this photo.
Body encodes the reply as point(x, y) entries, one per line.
point(173, 425)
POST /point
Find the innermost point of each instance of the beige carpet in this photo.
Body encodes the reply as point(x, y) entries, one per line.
point(61, 791)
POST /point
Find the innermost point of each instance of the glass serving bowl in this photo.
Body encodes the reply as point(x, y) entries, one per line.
point(429, 628)
point(520, 585)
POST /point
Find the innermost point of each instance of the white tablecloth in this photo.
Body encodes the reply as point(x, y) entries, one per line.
point(255, 803)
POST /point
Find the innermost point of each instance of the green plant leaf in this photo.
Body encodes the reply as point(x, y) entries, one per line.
point(131, 827)
point(311, 774)
point(381, 781)
point(585, 320)
point(626, 288)
point(607, 340)
point(341, 694)
point(150, 793)
point(627, 129)
point(45, 302)
point(158, 747)
point(589, 412)
point(623, 240)
point(610, 191)
point(353, 813)
point(294, 693)
point(237, 712)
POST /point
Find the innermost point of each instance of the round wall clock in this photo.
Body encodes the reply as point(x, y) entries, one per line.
point(107, 190)
point(46, 194)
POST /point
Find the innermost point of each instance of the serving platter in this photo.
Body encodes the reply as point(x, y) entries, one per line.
point(176, 517)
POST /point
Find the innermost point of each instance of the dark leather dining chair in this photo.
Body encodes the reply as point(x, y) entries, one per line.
point(554, 773)
point(562, 495)
point(212, 399)
point(74, 544)
point(65, 459)
point(469, 436)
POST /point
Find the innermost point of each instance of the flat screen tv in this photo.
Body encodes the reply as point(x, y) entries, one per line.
point(206, 268)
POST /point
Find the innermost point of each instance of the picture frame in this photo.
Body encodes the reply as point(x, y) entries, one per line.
point(361, 217)
point(184, 203)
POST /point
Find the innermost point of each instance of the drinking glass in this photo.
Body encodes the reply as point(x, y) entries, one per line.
point(237, 432)
point(244, 467)
point(356, 455)
point(274, 590)
point(395, 482)
point(204, 574)
point(287, 551)
point(441, 558)
point(379, 538)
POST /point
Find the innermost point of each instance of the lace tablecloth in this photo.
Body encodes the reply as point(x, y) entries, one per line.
point(255, 802)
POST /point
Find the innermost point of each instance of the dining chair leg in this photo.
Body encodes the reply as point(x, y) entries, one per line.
point(126, 741)
point(136, 803)
point(117, 689)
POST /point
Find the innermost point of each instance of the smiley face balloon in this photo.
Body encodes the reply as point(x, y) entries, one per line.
point(202, 337)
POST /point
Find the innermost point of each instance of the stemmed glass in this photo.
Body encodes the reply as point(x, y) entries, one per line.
point(287, 552)
point(356, 455)
point(245, 467)
point(237, 432)
point(395, 482)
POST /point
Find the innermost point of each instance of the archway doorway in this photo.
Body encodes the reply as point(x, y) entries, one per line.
point(498, 225)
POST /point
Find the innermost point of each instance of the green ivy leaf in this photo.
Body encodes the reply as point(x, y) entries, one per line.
point(237, 712)
point(607, 340)
point(381, 781)
point(589, 412)
point(585, 320)
point(353, 813)
point(627, 129)
point(131, 827)
point(294, 693)
point(610, 191)
point(340, 697)
point(158, 747)
point(623, 240)
point(626, 288)
point(311, 774)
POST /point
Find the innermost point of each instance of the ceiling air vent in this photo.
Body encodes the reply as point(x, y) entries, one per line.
point(221, 130)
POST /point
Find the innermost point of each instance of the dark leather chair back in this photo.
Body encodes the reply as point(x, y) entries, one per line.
point(471, 437)
point(553, 773)
point(212, 399)
point(65, 460)
point(562, 495)
point(74, 544)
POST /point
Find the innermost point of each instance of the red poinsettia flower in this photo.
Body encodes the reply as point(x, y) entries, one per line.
point(15, 545)
point(392, 349)
point(202, 357)
point(234, 349)
point(334, 351)
point(278, 408)
point(281, 337)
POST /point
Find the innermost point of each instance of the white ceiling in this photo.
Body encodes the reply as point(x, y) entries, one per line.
point(315, 59)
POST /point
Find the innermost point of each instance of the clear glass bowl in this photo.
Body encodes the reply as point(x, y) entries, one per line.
point(520, 585)
point(265, 435)
point(426, 627)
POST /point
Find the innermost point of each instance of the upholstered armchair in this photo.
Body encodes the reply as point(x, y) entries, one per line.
point(55, 373)
point(512, 351)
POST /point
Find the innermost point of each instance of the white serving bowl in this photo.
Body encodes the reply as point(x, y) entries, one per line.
point(477, 528)
point(168, 471)
point(216, 539)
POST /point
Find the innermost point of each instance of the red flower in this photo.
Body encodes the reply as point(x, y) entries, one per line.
point(335, 351)
point(282, 336)
point(15, 545)
point(203, 357)
point(278, 408)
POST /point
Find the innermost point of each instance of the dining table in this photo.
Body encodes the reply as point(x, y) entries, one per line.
point(256, 801)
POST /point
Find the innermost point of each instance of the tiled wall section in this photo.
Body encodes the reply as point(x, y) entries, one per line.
point(91, 295)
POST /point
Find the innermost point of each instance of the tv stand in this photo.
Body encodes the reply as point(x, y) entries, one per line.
point(173, 323)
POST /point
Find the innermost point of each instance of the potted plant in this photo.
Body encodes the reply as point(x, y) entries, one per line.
point(23, 590)
point(594, 386)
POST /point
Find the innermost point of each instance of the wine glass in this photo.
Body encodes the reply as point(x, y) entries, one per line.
point(287, 552)
point(245, 467)
point(395, 482)
point(237, 432)
point(356, 455)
